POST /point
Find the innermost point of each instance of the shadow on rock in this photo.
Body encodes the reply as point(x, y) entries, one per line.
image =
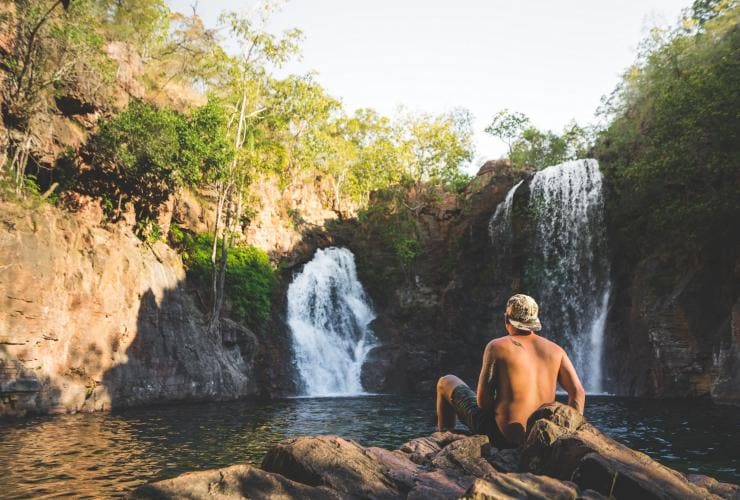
point(174, 357)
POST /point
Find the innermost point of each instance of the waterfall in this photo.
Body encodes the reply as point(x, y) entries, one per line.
point(567, 269)
point(328, 315)
point(499, 227)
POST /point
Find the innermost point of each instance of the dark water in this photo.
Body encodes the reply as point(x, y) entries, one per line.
point(107, 454)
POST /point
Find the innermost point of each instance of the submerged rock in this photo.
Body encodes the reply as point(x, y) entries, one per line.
point(564, 457)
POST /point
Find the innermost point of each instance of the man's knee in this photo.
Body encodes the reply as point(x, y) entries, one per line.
point(447, 383)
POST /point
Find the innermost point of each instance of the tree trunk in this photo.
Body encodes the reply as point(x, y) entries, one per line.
point(219, 278)
point(214, 248)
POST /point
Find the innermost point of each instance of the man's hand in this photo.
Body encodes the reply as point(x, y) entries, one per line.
point(568, 378)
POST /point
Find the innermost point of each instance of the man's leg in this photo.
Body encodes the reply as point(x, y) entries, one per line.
point(445, 412)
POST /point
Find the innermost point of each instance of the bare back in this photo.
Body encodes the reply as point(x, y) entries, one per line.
point(520, 374)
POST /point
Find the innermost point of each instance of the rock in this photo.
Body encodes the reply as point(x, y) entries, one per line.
point(726, 388)
point(92, 318)
point(331, 461)
point(130, 69)
point(237, 481)
point(340, 464)
point(594, 461)
point(7, 31)
point(506, 460)
point(465, 457)
point(559, 414)
point(673, 327)
point(573, 460)
point(502, 486)
point(724, 490)
point(422, 450)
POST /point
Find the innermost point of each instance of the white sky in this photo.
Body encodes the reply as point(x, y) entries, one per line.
point(552, 60)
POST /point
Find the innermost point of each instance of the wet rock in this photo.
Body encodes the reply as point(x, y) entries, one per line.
point(237, 481)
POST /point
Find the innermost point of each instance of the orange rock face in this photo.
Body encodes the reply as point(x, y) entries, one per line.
point(92, 318)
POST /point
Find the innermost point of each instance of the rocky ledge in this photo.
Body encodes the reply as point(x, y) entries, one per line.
point(564, 457)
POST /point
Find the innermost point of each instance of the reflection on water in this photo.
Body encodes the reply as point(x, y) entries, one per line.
point(104, 454)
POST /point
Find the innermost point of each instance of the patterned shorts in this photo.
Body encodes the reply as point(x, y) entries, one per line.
point(479, 421)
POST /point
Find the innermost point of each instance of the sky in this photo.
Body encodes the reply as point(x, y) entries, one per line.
point(551, 60)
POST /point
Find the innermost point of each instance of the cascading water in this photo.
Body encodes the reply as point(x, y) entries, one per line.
point(499, 227)
point(567, 268)
point(329, 317)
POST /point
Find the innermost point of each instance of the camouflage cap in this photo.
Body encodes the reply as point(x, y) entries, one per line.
point(522, 312)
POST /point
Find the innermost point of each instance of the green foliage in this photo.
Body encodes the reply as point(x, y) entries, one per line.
point(508, 126)
point(250, 278)
point(529, 146)
point(671, 151)
point(435, 147)
point(142, 154)
point(389, 220)
point(539, 149)
point(53, 50)
point(407, 249)
point(141, 23)
point(54, 47)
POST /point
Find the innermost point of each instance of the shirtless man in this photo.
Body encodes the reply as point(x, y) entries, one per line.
point(522, 369)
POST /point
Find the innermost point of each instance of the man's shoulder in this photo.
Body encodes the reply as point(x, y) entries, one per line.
point(550, 345)
point(498, 346)
point(496, 343)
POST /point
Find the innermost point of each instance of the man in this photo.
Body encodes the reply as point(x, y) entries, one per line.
point(522, 369)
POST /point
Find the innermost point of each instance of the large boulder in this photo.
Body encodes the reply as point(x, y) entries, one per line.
point(237, 481)
point(561, 444)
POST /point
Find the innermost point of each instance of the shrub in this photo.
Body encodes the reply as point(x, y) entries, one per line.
point(144, 153)
point(250, 278)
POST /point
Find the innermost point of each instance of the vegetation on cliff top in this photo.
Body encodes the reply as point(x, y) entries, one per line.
point(253, 124)
point(671, 152)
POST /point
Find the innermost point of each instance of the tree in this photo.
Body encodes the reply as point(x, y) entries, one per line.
point(54, 47)
point(435, 147)
point(670, 151)
point(143, 154)
point(257, 50)
point(508, 126)
point(538, 149)
point(531, 146)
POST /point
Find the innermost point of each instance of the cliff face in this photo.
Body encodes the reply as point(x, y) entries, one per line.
point(449, 305)
point(674, 332)
point(93, 318)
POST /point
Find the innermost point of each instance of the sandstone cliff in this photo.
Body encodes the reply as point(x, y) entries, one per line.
point(92, 318)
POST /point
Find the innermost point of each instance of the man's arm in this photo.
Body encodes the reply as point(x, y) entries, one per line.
point(484, 393)
point(568, 378)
